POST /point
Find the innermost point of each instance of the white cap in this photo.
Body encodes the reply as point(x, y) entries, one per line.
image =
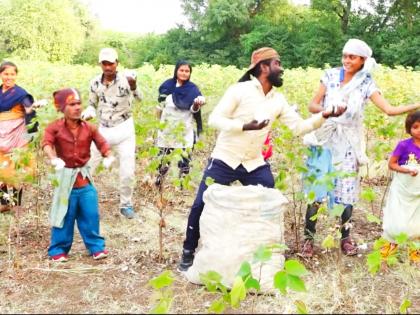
point(108, 54)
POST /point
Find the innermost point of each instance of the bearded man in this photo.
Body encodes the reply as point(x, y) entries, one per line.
point(244, 117)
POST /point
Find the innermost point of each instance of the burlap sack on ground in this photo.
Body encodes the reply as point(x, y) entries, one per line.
point(236, 220)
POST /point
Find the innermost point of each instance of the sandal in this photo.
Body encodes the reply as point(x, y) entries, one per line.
point(308, 249)
point(348, 248)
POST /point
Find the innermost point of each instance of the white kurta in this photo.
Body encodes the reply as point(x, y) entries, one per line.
point(178, 130)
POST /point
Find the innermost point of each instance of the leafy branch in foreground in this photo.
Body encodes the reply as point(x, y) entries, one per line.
point(287, 278)
point(163, 294)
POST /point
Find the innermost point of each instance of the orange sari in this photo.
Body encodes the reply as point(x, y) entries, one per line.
point(13, 135)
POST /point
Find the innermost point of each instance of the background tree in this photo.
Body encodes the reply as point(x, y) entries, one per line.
point(223, 32)
point(42, 29)
point(341, 8)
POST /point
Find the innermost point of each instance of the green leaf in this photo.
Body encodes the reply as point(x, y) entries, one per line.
point(373, 219)
point(252, 283)
point(404, 306)
point(401, 238)
point(262, 254)
point(176, 182)
point(295, 268)
point(212, 281)
point(199, 145)
point(311, 197)
point(295, 283)
point(337, 211)
point(280, 282)
point(368, 194)
point(55, 183)
point(163, 280)
point(302, 169)
point(379, 243)
point(415, 245)
point(392, 260)
point(163, 306)
point(374, 261)
point(314, 217)
point(238, 292)
point(160, 308)
point(209, 181)
point(217, 306)
point(328, 242)
point(300, 196)
point(153, 151)
point(244, 270)
point(301, 307)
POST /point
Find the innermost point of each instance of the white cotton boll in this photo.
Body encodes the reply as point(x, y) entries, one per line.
point(130, 73)
point(200, 99)
point(261, 116)
point(108, 161)
point(40, 103)
point(411, 167)
point(295, 107)
point(58, 163)
point(363, 246)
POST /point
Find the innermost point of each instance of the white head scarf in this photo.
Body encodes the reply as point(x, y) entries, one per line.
point(357, 47)
point(360, 48)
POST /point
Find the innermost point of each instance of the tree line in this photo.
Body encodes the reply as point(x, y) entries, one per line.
point(223, 32)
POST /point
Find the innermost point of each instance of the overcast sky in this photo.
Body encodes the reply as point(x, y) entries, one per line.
point(139, 16)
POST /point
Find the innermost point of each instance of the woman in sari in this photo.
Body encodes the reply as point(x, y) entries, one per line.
point(15, 105)
point(180, 102)
point(338, 145)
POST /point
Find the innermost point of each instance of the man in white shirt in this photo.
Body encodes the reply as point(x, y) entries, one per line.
point(244, 116)
point(111, 93)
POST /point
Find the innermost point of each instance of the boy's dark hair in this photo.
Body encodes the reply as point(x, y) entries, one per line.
point(255, 72)
point(7, 64)
point(411, 119)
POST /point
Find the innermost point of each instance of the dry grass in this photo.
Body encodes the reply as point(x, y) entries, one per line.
point(32, 284)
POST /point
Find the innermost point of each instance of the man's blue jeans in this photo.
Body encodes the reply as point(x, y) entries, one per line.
point(222, 174)
point(83, 208)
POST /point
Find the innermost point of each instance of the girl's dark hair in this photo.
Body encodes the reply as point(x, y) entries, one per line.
point(6, 64)
point(255, 72)
point(182, 63)
point(411, 119)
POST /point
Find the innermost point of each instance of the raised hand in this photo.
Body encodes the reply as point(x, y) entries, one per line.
point(58, 163)
point(334, 111)
point(89, 113)
point(255, 125)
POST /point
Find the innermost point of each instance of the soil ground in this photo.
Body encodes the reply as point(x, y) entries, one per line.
point(30, 283)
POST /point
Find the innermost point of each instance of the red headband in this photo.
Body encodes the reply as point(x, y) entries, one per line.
point(64, 97)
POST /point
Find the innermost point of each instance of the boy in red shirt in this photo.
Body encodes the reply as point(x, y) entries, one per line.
point(67, 143)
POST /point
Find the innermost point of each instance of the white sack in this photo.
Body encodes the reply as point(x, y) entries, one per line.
point(235, 221)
